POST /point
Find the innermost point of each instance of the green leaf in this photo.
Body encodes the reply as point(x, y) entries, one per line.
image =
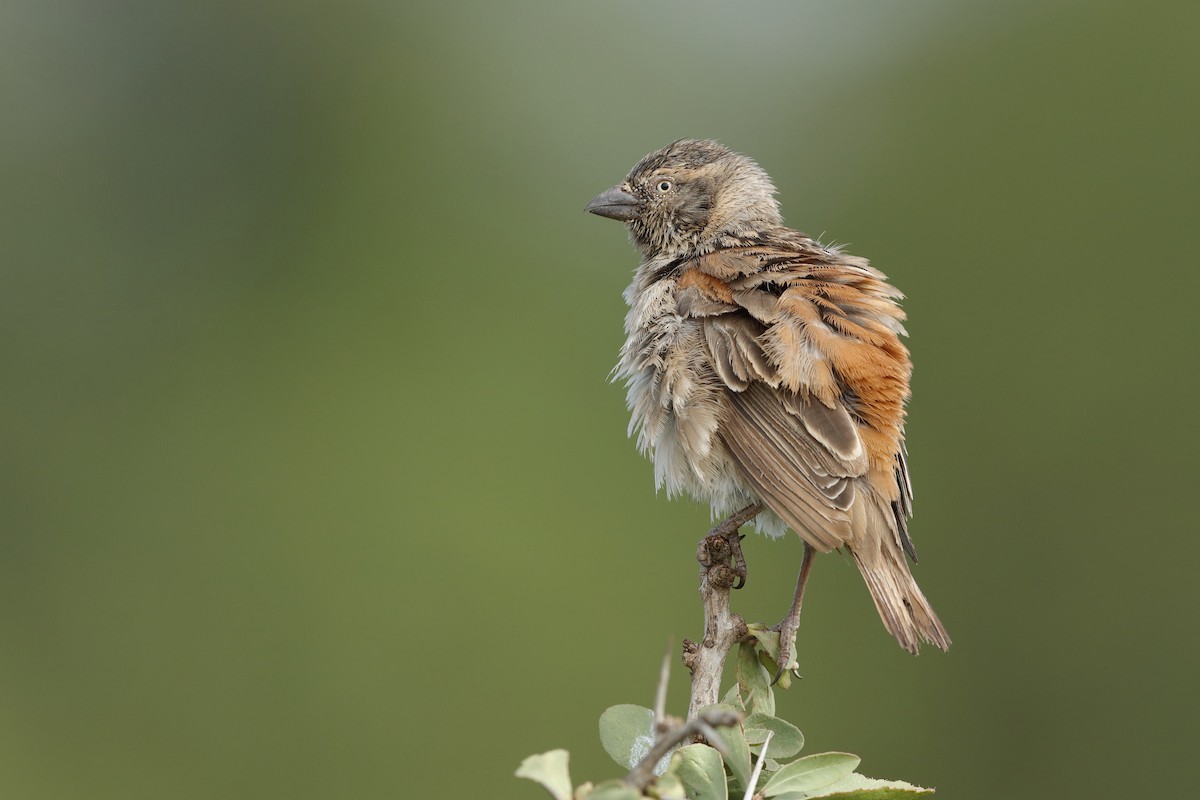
point(668, 787)
point(753, 681)
point(734, 698)
point(859, 787)
point(627, 733)
point(811, 773)
point(614, 790)
point(698, 767)
point(738, 756)
point(550, 770)
point(768, 641)
point(787, 741)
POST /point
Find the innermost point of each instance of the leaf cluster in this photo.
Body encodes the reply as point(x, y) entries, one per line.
point(754, 758)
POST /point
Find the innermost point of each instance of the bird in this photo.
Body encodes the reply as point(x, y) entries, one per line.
point(766, 375)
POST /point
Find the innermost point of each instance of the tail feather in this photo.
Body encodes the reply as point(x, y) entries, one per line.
point(903, 608)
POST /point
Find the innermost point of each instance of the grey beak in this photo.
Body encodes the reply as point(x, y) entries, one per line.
point(614, 204)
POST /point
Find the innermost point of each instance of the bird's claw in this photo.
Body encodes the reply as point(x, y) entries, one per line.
point(787, 645)
point(728, 529)
point(739, 559)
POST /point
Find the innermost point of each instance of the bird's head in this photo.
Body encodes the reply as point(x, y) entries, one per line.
point(680, 199)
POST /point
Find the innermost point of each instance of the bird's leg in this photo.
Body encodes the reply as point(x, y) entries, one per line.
point(787, 627)
point(728, 528)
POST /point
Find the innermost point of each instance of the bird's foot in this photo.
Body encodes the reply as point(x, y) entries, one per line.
point(788, 626)
point(739, 558)
point(728, 530)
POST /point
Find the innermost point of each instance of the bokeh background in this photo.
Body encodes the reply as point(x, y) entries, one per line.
point(312, 484)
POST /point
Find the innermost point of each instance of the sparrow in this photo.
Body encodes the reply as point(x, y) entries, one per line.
point(765, 372)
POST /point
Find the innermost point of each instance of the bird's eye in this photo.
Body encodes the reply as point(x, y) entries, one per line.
point(664, 186)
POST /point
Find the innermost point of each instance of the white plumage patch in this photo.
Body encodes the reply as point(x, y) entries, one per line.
point(674, 401)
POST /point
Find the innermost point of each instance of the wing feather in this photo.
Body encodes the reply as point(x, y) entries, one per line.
point(737, 356)
point(801, 479)
point(783, 331)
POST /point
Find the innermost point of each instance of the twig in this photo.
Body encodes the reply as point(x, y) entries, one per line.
point(758, 765)
point(704, 724)
point(722, 628)
point(660, 697)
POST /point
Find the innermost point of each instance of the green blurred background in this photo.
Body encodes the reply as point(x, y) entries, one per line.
point(312, 484)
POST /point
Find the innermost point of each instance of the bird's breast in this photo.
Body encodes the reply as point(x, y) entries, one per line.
point(672, 393)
